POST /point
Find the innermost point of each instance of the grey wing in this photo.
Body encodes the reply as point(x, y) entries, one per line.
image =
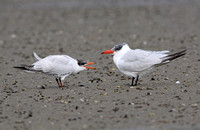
point(140, 60)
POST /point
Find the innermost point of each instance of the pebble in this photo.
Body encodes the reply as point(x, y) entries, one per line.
point(132, 103)
point(52, 123)
point(82, 100)
point(96, 101)
point(115, 109)
point(105, 94)
point(117, 86)
point(113, 69)
point(85, 126)
point(62, 101)
point(166, 78)
point(152, 114)
point(13, 36)
point(145, 43)
point(177, 82)
point(194, 105)
point(50, 81)
point(149, 93)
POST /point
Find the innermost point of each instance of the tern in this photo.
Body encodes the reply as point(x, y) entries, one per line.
point(135, 63)
point(59, 66)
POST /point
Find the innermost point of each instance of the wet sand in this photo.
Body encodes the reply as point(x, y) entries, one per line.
point(101, 98)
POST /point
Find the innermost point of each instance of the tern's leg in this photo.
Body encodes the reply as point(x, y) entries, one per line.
point(57, 82)
point(136, 80)
point(133, 78)
point(60, 82)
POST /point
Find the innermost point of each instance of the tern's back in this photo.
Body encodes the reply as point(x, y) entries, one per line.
point(55, 64)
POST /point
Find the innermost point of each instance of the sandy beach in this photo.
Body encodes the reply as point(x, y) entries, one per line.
point(167, 98)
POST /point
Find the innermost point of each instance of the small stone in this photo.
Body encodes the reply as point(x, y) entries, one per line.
point(13, 36)
point(82, 100)
point(152, 114)
point(132, 103)
point(172, 110)
point(183, 104)
point(39, 86)
point(81, 85)
point(145, 42)
point(149, 93)
point(85, 126)
point(117, 86)
point(194, 105)
point(115, 109)
point(96, 101)
point(50, 81)
point(64, 102)
point(125, 116)
point(166, 78)
point(177, 82)
point(52, 123)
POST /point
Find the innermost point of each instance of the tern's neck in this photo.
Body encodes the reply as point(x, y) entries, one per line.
point(118, 55)
point(78, 68)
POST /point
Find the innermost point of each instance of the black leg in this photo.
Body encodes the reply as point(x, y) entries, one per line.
point(136, 80)
point(133, 78)
point(57, 82)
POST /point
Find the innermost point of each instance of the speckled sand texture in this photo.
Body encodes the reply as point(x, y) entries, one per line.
point(168, 98)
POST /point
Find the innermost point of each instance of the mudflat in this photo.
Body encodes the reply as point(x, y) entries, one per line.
point(167, 98)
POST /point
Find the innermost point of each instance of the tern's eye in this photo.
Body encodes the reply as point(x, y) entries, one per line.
point(118, 47)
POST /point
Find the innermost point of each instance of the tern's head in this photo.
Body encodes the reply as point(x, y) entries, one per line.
point(116, 49)
point(83, 65)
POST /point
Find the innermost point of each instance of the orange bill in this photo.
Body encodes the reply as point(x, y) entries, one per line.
point(89, 63)
point(108, 52)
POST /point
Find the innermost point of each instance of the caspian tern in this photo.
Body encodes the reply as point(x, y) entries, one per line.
point(59, 66)
point(137, 62)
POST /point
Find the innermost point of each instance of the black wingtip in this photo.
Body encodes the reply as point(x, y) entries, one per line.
point(173, 56)
point(23, 67)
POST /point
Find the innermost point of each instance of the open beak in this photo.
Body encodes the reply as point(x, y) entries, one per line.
point(89, 63)
point(108, 52)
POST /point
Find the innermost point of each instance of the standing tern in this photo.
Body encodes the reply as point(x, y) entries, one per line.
point(59, 66)
point(137, 62)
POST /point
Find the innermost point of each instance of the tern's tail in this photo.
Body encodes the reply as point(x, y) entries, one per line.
point(173, 56)
point(25, 67)
point(36, 56)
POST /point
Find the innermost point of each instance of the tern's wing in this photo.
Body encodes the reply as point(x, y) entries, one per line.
point(60, 65)
point(139, 60)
